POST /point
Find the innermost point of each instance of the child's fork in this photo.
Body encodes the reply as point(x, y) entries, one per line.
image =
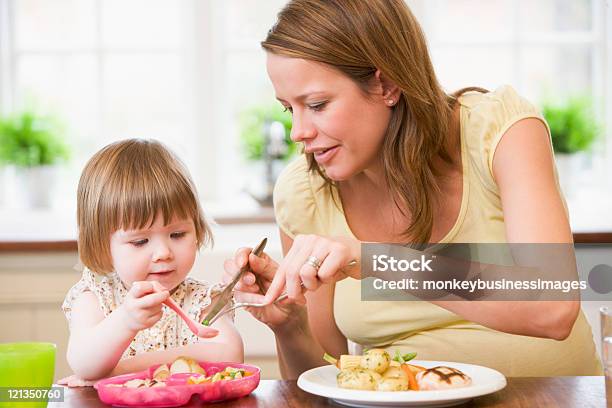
point(196, 328)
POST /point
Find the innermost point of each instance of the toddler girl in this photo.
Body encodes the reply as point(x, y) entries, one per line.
point(140, 227)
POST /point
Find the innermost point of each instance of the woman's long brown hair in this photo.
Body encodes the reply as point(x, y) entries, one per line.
point(358, 37)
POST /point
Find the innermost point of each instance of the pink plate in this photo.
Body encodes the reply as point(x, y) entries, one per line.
point(177, 392)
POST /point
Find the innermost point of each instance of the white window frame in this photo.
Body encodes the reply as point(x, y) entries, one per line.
point(212, 126)
point(202, 109)
point(600, 38)
point(607, 56)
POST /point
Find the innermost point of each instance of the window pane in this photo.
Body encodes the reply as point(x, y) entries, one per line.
point(418, 8)
point(143, 97)
point(63, 85)
point(488, 67)
point(247, 81)
point(469, 19)
point(559, 70)
point(555, 15)
point(246, 85)
point(57, 24)
point(251, 20)
point(141, 23)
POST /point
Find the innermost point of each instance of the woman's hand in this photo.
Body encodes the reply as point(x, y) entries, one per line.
point(252, 289)
point(142, 307)
point(314, 260)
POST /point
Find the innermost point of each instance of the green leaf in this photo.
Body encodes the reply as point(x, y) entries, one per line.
point(398, 357)
point(409, 356)
point(403, 358)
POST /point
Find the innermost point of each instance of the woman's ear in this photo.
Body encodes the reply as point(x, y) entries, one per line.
point(388, 90)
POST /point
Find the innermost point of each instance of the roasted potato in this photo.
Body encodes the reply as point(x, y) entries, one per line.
point(376, 360)
point(358, 379)
point(394, 379)
point(392, 384)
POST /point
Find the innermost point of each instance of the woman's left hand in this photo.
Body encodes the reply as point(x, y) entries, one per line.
point(314, 260)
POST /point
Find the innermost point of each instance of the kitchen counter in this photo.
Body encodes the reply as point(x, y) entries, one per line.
point(55, 230)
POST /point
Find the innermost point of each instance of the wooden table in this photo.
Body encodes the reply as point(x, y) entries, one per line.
point(571, 392)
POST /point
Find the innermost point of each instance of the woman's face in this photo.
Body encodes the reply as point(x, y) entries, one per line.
point(332, 116)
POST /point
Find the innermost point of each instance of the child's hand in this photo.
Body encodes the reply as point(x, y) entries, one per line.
point(74, 381)
point(142, 306)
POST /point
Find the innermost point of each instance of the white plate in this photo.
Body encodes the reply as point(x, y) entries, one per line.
point(322, 381)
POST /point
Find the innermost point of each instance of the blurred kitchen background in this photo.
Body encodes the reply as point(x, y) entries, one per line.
point(76, 75)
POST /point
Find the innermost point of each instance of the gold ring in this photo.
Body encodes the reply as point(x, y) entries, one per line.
point(314, 262)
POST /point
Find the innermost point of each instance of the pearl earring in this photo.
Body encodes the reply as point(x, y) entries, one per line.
point(390, 102)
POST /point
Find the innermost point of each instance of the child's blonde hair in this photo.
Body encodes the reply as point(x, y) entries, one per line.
point(125, 185)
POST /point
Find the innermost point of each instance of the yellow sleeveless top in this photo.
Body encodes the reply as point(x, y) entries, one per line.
point(304, 206)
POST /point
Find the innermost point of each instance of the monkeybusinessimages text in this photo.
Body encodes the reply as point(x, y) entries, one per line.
point(385, 263)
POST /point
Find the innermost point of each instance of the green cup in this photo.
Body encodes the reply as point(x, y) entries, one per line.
point(25, 369)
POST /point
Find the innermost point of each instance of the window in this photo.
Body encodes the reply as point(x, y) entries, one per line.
point(110, 69)
point(182, 71)
point(544, 48)
point(240, 81)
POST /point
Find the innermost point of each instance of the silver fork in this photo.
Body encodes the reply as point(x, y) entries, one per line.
point(239, 305)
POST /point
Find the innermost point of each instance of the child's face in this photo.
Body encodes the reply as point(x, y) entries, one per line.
point(158, 253)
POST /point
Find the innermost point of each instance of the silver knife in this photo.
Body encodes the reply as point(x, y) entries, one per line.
point(226, 295)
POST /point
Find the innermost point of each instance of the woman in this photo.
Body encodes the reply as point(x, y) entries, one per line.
point(390, 157)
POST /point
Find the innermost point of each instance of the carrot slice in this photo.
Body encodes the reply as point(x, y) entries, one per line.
point(412, 382)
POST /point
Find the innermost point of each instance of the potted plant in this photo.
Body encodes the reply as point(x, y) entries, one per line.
point(266, 144)
point(573, 130)
point(33, 145)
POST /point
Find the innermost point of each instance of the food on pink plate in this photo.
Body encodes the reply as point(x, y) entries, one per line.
point(196, 368)
point(442, 377)
point(162, 372)
point(186, 365)
point(228, 373)
point(142, 388)
point(198, 379)
point(140, 383)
